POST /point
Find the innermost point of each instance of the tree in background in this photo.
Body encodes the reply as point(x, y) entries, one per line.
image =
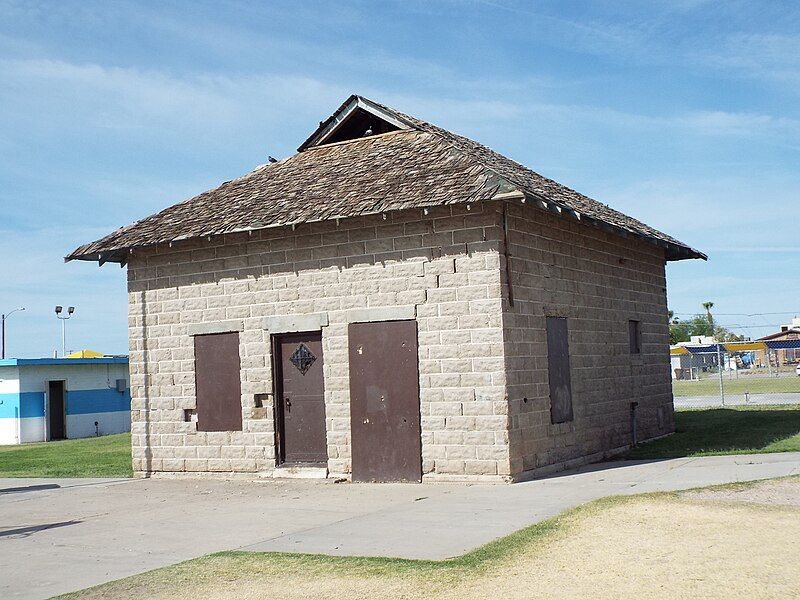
point(708, 306)
point(721, 334)
point(682, 330)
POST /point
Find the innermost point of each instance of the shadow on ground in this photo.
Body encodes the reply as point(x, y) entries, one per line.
point(29, 488)
point(23, 532)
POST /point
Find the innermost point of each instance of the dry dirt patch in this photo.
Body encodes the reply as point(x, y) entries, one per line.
point(662, 546)
point(659, 549)
point(774, 492)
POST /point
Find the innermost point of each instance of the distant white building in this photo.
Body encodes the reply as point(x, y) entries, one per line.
point(45, 399)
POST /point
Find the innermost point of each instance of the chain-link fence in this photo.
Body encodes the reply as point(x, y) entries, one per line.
point(714, 376)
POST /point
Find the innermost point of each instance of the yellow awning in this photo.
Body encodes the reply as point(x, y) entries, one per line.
point(744, 346)
point(85, 354)
point(677, 350)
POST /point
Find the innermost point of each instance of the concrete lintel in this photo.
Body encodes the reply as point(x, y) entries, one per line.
point(215, 327)
point(295, 323)
point(382, 313)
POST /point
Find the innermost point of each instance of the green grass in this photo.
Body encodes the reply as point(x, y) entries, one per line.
point(106, 456)
point(740, 430)
point(709, 386)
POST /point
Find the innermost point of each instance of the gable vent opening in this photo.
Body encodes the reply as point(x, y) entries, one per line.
point(356, 119)
point(358, 124)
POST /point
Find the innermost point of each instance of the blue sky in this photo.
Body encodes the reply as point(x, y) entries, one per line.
point(685, 114)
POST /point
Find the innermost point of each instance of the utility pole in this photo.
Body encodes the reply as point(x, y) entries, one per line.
point(3, 328)
point(70, 310)
point(719, 364)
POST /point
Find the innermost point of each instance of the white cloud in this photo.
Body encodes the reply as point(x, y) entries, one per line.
point(748, 124)
point(716, 214)
point(129, 98)
point(764, 56)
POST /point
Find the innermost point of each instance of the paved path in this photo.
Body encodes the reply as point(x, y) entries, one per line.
point(61, 535)
point(736, 400)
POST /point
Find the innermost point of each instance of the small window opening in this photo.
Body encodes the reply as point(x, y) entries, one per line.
point(635, 336)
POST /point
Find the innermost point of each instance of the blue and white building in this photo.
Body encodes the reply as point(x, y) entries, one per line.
point(45, 399)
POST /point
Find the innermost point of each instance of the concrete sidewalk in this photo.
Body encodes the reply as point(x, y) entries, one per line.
point(62, 535)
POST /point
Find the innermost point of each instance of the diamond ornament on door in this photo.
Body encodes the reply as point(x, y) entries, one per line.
point(302, 358)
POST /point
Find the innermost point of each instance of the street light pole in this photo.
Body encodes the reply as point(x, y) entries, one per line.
point(3, 328)
point(70, 310)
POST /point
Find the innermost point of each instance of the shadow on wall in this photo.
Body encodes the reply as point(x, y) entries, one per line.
point(311, 247)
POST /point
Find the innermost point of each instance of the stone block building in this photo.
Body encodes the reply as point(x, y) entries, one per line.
point(393, 302)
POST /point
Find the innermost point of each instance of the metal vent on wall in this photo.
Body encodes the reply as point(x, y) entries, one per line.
point(302, 358)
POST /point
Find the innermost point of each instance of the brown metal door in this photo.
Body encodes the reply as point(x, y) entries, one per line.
point(384, 401)
point(301, 399)
point(218, 385)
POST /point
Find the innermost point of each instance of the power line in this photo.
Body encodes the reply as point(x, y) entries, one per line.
point(751, 325)
point(739, 326)
point(716, 314)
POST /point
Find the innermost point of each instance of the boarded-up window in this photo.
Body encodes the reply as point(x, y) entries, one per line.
point(558, 370)
point(217, 382)
point(635, 336)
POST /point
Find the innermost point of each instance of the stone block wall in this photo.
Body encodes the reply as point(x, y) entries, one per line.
point(599, 281)
point(484, 392)
point(444, 263)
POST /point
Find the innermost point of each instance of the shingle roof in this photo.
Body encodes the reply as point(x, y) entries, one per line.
point(418, 166)
point(778, 334)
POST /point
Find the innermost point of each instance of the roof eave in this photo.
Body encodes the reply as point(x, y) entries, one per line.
point(684, 253)
point(119, 256)
point(88, 253)
point(505, 192)
point(673, 251)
